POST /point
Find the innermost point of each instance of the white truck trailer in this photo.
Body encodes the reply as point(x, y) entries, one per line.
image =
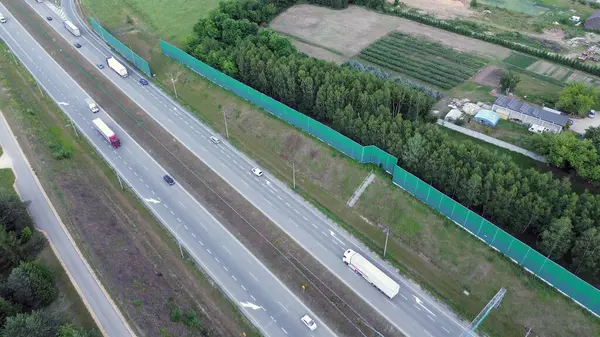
point(107, 133)
point(92, 105)
point(117, 66)
point(72, 28)
point(372, 274)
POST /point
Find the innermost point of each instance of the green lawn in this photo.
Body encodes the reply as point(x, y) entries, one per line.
point(523, 161)
point(7, 178)
point(520, 60)
point(172, 19)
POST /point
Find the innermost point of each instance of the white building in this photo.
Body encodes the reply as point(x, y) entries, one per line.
point(510, 108)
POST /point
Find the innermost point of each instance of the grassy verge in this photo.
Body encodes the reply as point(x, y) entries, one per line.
point(450, 260)
point(142, 269)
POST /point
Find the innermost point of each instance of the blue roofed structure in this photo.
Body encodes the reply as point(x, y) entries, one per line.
point(487, 117)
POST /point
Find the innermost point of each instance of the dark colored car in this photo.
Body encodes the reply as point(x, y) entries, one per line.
point(49, 18)
point(143, 81)
point(169, 180)
point(77, 45)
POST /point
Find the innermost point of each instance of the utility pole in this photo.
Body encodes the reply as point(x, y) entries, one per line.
point(225, 119)
point(387, 234)
point(119, 178)
point(294, 172)
point(132, 55)
point(174, 88)
point(528, 332)
point(73, 126)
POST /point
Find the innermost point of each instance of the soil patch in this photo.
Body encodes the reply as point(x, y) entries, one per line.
point(354, 28)
point(318, 52)
point(489, 76)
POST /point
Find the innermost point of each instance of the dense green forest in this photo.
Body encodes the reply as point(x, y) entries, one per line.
point(26, 286)
point(394, 116)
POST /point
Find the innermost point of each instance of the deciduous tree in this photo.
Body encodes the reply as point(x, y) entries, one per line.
point(586, 252)
point(34, 324)
point(509, 81)
point(556, 239)
point(577, 98)
point(31, 285)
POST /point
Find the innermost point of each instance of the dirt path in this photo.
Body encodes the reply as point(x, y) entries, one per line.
point(352, 29)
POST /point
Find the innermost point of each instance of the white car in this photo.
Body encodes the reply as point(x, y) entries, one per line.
point(215, 139)
point(309, 322)
point(257, 172)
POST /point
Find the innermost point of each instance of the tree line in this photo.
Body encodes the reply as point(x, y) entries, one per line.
point(481, 35)
point(392, 116)
point(26, 286)
point(566, 150)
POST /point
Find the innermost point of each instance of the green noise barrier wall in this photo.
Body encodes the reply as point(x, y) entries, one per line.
point(122, 49)
point(547, 270)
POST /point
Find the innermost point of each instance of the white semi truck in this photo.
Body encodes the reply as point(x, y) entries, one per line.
point(72, 28)
point(107, 133)
point(92, 105)
point(372, 274)
point(117, 66)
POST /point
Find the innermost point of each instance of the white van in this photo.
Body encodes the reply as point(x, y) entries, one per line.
point(2, 18)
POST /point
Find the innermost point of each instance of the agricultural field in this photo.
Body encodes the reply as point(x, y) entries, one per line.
point(350, 30)
point(562, 73)
point(532, 17)
point(520, 60)
point(423, 60)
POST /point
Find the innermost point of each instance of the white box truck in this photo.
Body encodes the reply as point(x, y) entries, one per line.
point(117, 66)
point(92, 105)
point(107, 133)
point(372, 274)
point(72, 28)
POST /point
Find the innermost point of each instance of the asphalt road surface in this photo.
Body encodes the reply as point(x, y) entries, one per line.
point(267, 303)
point(413, 312)
point(103, 309)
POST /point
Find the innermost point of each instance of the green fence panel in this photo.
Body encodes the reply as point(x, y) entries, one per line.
point(375, 155)
point(487, 232)
point(547, 270)
point(122, 49)
point(502, 242)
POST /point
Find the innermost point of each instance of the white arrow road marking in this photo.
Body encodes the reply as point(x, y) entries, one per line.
point(154, 201)
point(335, 237)
point(250, 305)
point(419, 302)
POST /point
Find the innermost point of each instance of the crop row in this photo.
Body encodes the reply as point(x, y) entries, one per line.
point(409, 69)
point(436, 60)
point(430, 66)
point(433, 49)
point(437, 49)
point(412, 74)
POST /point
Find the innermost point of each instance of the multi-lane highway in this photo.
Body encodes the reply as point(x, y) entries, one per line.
point(101, 306)
point(413, 312)
point(261, 296)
